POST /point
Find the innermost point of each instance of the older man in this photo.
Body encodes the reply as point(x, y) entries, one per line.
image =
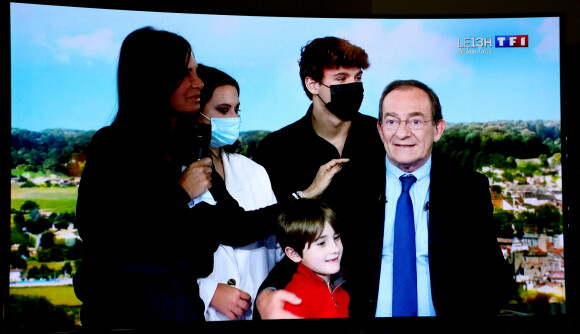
point(440, 255)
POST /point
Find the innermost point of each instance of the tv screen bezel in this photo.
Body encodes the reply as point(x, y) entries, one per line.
point(568, 14)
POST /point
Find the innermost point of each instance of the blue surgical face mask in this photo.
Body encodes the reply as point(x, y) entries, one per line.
point(224, 131)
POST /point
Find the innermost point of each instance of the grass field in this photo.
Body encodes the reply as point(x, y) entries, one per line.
point(57, 295)
point(54, 199)
point(58, 200)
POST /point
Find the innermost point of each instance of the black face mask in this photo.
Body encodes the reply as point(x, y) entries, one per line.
point(345, 99)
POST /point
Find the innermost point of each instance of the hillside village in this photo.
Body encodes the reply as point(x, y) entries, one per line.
point(537, 257)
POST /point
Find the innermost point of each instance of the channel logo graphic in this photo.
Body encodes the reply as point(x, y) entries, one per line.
point(513, 41)
point(485, 45)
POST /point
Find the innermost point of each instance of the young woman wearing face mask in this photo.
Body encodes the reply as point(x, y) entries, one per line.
point(228, 292)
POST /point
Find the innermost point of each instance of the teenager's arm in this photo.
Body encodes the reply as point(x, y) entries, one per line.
point(270, 304)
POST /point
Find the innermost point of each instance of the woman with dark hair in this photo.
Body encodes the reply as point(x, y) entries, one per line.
point(143, 245)
point(237, 273)
point(144, 242)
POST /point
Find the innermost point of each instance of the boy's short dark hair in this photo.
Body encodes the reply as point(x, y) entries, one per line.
point(329, 52)
point(302, 222)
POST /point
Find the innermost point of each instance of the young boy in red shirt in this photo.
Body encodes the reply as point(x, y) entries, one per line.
point(310, 238)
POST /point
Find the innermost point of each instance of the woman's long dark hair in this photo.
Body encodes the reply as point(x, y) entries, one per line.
point(152, 64)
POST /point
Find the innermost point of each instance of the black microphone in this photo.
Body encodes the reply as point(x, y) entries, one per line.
point(201, 140)
point(192, 141)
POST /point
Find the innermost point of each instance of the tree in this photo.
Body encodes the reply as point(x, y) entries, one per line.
point(249, 141)
point(496, 189)
point(35, 315)
point(16, 261)
point(66, 216)
point(52, 254)
point(510, 162)
point(37, 226)
point(61, 225)
point(33, 273)
point(17, 236)
point(521, 180)
point(556, 159)
point(67, 268)
point(50, 164)
point(508, 175)
point(74, 252)
point(529, 220)
point(543, 160)
point(47, 240)
point(504, 220)
point(18, 220)
point(28, 184)
point(49, 150)
point(529, 168)
point(549, 219)
point(28, 206)
point(23, 250)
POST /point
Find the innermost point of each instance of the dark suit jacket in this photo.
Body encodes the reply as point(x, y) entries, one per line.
point(469, 276)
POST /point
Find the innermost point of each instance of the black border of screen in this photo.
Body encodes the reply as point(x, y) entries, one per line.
point(569, 13)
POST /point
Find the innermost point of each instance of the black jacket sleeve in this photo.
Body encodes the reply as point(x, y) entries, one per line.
point(139, 210)
point(278, 278)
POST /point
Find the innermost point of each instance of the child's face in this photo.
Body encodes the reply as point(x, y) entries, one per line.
point(323, 255)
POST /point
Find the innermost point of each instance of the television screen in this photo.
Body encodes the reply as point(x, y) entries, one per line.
point(498, 79)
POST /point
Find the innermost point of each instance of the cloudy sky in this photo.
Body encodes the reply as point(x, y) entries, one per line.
point(63, 63)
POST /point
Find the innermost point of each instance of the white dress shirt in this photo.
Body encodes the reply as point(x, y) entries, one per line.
point(419, 193)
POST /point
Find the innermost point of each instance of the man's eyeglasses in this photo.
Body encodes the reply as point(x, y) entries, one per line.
point(414, 123)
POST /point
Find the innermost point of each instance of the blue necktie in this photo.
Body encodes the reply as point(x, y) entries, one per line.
point(404, 261)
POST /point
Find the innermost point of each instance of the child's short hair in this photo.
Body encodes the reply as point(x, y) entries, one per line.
point(329, 52)
point(302, 222)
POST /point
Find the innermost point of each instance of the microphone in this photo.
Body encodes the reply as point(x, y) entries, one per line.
point(201, 140)
point(192, 141)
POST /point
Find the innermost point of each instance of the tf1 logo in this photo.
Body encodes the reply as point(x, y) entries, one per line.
point(514, 41)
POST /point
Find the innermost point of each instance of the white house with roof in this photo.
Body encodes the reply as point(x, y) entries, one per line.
point(15, 275)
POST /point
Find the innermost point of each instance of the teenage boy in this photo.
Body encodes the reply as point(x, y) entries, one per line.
point(331, 71)
point(309, 236)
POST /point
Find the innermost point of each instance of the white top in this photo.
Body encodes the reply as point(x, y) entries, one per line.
point(249, 184)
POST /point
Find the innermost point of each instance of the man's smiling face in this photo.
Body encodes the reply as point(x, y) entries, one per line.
point(409, 149)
